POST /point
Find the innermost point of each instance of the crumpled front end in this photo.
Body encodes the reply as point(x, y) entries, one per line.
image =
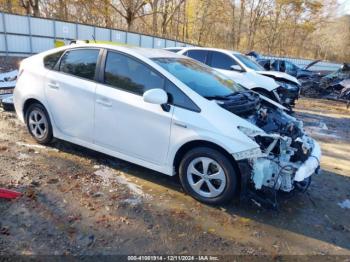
point(288, 93)
point(285, 163)
point(288, 156)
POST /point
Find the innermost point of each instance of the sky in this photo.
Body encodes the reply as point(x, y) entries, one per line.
point(344, 7)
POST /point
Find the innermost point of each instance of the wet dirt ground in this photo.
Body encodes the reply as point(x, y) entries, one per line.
point(76, 201)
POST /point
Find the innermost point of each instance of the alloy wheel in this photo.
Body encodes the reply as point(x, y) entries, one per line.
point(206, 177)
point(38, 124)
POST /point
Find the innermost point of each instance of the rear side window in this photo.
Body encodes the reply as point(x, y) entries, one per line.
point(178, 98)
point(130, 75)
point(80, 62)
point(51, 60)
point(221, 61)
point(199, 55)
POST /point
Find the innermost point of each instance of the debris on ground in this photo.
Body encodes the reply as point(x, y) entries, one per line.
point(79, 202)
point(9, 194)
point(345, 204)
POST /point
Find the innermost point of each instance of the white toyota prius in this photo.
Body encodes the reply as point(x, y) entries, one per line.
point(168, 113)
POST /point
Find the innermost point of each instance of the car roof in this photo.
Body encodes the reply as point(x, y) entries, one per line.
point(212, 49)
point(174, 48)
point(146, 52)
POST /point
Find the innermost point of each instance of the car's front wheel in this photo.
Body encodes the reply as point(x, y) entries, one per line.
point(208, 175)
point(39, 124)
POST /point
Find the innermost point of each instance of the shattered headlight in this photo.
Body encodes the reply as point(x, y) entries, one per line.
point(250, 132)
point(248, 154)
point(287, 86)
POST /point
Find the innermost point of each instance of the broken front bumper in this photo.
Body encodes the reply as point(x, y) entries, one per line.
point(278, 174)
point(311, 165)
point(289, 95)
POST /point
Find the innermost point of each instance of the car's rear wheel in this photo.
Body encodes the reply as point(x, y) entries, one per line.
point(39, 124)
point(208, 175)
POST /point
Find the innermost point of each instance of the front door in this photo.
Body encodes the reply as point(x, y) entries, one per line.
point(123, 121)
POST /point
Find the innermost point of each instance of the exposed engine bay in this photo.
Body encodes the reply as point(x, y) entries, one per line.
point(287, 151)
point(289, 157)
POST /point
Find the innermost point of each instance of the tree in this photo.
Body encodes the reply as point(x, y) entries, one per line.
point(31, 7)
point(130, 10)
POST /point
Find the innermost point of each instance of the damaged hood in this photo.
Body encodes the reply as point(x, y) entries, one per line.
point(279, 76)
point(251, 79)
point(261, 80)
point(311, 64)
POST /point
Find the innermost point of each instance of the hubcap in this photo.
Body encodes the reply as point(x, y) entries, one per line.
point(206, 177)
point(38, 124)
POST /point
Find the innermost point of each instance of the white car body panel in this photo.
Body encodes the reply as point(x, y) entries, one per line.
point(134, 126)
point(74, 118)
point(251, 79)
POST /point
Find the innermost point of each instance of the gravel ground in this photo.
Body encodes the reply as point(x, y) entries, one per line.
point(79, 202)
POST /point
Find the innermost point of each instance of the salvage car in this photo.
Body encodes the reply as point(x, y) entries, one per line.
point(282, 65)
point(168, 113)
point(328, 85)
point(6, 102)
point(278, 86)
point(7, 85)
point(292, 69)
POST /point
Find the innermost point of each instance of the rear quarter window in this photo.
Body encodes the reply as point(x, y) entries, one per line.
point(51, 60)
point(80, 62)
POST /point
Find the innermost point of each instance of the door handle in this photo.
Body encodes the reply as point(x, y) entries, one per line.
point(180, 124)
point(105, 103)
point(53, 85)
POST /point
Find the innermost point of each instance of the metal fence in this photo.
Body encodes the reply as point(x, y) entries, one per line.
point(25, 35)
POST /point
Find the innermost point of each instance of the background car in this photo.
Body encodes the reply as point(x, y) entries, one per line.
point(275, 85)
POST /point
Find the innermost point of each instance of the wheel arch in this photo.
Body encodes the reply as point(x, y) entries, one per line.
point(203, 143)
point(28, 103)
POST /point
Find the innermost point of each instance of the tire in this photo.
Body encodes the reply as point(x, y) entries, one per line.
point(39, 124)
point(196, 181)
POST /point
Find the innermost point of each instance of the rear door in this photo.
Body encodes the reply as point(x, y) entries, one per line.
point(125, 123)
point(70, 92)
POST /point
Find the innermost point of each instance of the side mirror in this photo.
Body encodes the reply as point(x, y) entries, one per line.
point(155, 96)
point(236, 68)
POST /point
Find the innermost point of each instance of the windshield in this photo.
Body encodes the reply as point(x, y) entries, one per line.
point(202, 79)
point(249, 62)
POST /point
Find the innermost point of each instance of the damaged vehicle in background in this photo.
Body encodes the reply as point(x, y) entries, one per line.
point(328, 85)
point(278, 86)
point(282, 65)
point(168, 113)
point(7, 85)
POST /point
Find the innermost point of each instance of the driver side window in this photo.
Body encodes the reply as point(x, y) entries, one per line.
point(221, 61)
point(128, 74)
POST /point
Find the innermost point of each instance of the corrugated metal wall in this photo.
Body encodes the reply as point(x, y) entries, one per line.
point(24, 35)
